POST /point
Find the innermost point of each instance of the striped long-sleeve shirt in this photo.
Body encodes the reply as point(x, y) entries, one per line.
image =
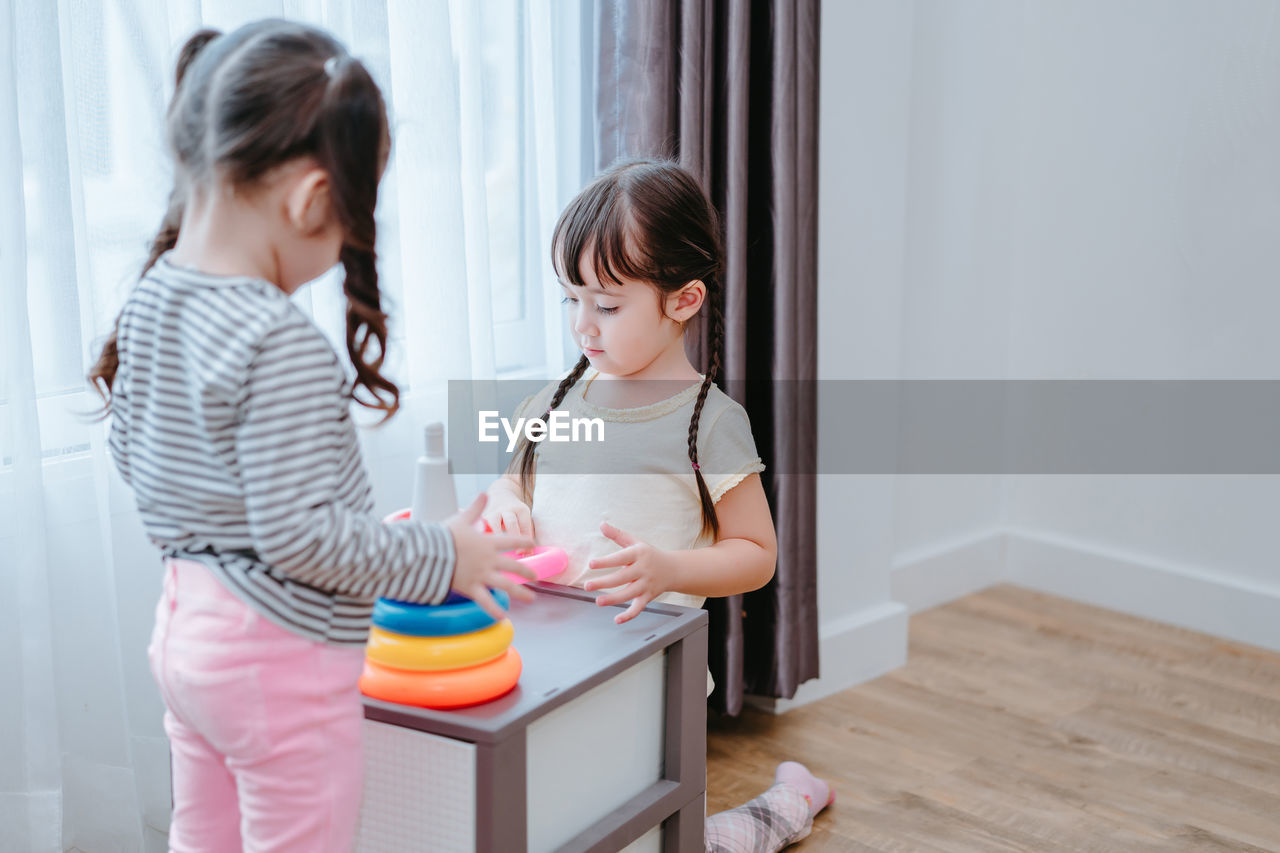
point(230, 420)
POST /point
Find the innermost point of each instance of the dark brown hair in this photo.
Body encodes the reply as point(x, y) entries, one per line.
point(648, 221)
point(254, 99)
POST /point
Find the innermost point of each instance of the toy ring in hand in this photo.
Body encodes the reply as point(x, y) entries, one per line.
point(429, 654)
point(545, 561)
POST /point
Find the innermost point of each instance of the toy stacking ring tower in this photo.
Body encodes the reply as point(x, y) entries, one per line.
point(439, 656)
point(448, 655)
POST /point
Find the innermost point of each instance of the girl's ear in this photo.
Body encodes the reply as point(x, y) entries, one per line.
point(686, 301)
point(307, 204)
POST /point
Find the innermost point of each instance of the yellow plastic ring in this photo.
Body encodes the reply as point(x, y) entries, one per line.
point(432, 654)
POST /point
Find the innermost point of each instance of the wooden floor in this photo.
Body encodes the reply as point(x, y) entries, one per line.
point(1024, 721)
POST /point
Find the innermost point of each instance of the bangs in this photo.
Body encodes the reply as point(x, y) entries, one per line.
point(599, 225)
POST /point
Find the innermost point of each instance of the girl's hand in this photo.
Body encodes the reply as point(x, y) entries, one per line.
point(644, 573)
point(506, 512)
point(481, 563)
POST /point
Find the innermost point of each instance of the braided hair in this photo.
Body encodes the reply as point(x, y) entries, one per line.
point(648, 221)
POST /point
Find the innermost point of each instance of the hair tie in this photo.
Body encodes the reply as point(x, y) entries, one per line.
point(697, 467)
point(331, 67)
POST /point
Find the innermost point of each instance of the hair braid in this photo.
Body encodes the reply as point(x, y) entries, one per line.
point(102, 375)
point(350, 123)
point(710, 521)
point(366, 325)
point(524, 459)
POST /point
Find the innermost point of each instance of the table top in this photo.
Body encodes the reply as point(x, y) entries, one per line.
point(568, 645)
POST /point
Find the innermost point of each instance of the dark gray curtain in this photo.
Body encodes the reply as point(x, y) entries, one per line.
point(730, 89)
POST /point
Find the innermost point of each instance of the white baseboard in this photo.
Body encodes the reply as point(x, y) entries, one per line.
point(871, 642)
point(1225, 606)
point(854, 649)
point(1138, 584)
point(928, 577)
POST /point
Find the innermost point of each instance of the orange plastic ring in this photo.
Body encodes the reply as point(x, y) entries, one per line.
point(454, 688)
point(433, 654)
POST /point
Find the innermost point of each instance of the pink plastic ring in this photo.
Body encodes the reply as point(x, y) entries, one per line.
point(545, 561)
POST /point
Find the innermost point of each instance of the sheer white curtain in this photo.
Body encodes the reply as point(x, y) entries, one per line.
point(487, 105)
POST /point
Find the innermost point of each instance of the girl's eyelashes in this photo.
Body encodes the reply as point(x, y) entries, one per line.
point(569, 300)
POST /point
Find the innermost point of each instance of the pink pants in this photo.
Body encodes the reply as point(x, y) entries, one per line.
point(264, 725)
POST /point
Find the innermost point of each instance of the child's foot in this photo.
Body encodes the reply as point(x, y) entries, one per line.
point(818, 793)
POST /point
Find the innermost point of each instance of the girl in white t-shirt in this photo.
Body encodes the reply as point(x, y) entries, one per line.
point(669, 506)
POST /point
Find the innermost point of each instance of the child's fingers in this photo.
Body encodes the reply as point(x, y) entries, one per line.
point(522, 592)
point(611, 580)
point(482, 597)
point(622, 538)
point(616, 560)
point(637, 606)
point(618, 596)
point(514, 521)
point(515, 590)
point(509, 542)
point(516, 567)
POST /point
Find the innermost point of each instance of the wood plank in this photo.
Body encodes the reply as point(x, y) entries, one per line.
point(1027, 722)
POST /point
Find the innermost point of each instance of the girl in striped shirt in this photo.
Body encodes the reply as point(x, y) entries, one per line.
point(229, 419)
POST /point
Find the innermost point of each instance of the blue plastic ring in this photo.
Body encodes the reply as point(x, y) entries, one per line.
point(456, 615)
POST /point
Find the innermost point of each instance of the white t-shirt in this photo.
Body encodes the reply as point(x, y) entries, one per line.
point(656, 499)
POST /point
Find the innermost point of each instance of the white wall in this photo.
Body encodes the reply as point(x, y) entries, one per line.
point(1147, 247)
point(960, 207)
point(911, 140)
point(1047, 190)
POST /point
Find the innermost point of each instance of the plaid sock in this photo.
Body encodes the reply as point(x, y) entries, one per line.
point(778, 817)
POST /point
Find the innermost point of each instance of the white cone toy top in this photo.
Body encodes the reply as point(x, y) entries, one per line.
point(434, 496)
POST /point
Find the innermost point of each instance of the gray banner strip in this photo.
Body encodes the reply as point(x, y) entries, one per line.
point(950, 427)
